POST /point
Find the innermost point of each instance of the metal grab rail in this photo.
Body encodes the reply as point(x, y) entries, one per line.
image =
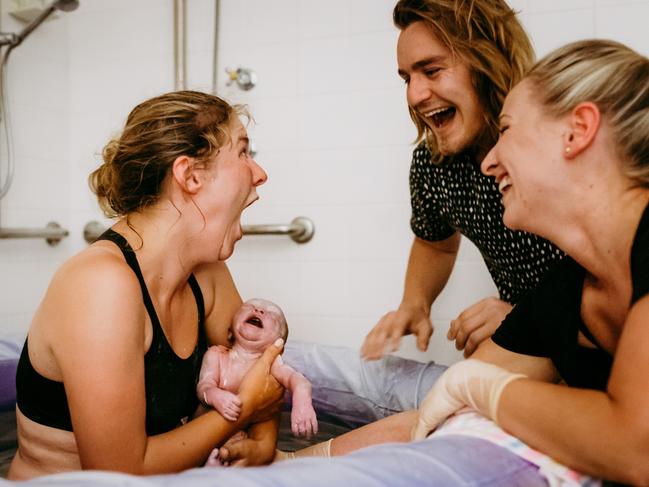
point(301, 230)
point(52, 233)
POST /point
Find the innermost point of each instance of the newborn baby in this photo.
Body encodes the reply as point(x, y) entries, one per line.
point(255, 326)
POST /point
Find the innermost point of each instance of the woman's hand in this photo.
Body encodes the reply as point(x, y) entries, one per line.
point(261, 395)
point(247, 450)
point(470, 383)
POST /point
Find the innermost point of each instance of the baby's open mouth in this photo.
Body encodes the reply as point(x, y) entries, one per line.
point(254, 321)
point(441, 115)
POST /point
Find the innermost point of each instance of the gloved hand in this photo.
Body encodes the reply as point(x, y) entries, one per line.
point(470, 383)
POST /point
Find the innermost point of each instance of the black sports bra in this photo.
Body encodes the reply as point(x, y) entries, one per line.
point(170, 381)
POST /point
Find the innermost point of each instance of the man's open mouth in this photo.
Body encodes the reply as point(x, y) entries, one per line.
point(440, 116)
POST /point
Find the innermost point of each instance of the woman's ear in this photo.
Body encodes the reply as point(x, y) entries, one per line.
point(584, 123)
point(185, 174)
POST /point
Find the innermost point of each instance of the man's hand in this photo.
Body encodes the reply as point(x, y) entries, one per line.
point(477, 323)
point(386, 334)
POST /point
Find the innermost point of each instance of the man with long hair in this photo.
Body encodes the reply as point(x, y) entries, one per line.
point(459, 59)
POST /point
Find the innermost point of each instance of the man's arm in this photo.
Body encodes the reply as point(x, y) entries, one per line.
point(429, 267)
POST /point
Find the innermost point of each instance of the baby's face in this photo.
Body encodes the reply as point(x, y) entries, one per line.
point(258, 323)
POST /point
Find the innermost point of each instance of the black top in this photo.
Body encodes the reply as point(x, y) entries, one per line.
point(546, 322)
point(456, 196)
point(169, 380)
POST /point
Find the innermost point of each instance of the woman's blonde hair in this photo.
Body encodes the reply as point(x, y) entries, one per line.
point(612, 76)
point(487, 36)
point(158, 131)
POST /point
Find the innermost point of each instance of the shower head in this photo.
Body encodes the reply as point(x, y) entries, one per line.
point(63, 5)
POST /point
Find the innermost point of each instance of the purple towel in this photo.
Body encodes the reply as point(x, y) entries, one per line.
point(9, 354)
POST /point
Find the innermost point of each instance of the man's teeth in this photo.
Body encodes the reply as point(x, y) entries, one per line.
point(505, 183)
point(436, 111)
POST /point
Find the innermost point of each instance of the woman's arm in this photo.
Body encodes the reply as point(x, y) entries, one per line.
point(538, 368)
point(99, 348)
point(257, 448)
point(603, 434)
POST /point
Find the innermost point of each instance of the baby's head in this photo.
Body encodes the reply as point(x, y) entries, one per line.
point(259, 322)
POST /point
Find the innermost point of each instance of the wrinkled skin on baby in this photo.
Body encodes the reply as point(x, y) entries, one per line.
point(255, 326)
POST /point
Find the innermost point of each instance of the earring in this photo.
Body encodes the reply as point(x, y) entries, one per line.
point(568, 149)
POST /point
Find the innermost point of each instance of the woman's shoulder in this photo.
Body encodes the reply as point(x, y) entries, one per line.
point(94, 284)
point(100, 266)
point(92, 298)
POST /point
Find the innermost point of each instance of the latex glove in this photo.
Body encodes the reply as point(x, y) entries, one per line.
point(477, 323)
point(470, 383)
point(386, 334)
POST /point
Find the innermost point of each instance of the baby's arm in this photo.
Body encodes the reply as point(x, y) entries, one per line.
point(303, 417)
point(208, 390)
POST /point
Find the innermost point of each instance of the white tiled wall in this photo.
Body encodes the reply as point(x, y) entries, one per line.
point(331, 129)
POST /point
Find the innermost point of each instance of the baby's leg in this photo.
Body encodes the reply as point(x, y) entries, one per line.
point(213, 460)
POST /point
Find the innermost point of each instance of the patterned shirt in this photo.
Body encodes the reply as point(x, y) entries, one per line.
point(456, 196)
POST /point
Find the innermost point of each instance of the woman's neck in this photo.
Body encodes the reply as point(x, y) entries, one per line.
point(159, 242)
point(599, 232)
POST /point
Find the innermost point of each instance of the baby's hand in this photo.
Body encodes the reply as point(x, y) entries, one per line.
point(303, 420)
point(225, 402)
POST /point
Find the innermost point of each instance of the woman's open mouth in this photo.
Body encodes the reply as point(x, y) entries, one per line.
point(504, 184)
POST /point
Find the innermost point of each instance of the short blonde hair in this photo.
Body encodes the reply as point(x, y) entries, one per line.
point(612, 76)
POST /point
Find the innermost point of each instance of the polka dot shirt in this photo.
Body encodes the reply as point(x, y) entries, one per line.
point(455, 195)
